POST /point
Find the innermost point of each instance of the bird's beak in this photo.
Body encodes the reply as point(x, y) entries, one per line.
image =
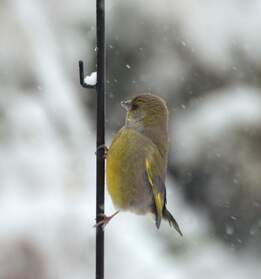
point(126, 104)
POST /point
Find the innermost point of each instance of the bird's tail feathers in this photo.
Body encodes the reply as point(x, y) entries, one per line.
point(172, 222)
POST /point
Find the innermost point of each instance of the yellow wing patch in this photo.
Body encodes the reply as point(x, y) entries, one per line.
point(158, 196)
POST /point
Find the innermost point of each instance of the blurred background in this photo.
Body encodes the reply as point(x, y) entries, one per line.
point(204, 58)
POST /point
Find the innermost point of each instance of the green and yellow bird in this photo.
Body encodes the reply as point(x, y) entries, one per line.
point(137, 160)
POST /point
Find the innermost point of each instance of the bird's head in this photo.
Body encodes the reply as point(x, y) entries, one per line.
point(145, 111)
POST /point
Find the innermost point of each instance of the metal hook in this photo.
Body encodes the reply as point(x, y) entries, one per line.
point(81, 75)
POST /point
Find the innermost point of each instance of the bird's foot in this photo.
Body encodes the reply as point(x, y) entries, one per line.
point(105, 220)
point(105, 148)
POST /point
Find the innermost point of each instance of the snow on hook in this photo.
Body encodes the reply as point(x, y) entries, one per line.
point(91, 79)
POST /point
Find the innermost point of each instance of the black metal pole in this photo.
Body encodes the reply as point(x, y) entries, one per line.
point(100, 165)
point(100, 128)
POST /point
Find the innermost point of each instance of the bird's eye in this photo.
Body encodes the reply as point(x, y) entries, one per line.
point(134, 106)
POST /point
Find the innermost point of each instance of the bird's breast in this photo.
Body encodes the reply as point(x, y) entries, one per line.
point(125, 172)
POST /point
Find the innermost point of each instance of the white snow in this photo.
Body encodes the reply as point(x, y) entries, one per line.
point(221, 111)
point(91, 79)
point(47, 143)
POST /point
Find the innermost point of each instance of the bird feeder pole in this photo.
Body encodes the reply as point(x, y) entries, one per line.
point(100, 128)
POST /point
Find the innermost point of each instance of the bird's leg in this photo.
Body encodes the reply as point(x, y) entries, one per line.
point(105, 219)
point(105, 148)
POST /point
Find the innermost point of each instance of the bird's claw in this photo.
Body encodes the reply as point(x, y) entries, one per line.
point(104, 220)
point(105, 148)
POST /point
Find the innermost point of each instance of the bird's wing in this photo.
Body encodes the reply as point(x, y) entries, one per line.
point(155, 176)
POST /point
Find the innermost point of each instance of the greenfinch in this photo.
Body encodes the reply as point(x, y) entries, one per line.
point(137, 160)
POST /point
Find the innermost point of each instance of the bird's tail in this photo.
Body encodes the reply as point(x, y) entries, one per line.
point(172, 222)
